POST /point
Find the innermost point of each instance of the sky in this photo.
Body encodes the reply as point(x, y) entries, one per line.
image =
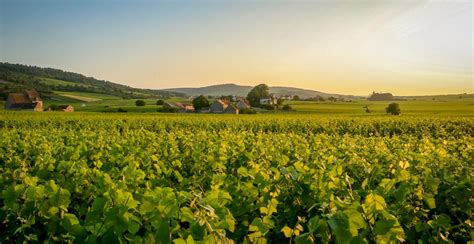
point(345, 47)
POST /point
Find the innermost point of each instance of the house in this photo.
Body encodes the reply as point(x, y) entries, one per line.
point(287, 97)
point(231, 109)
point(243, 104)
point(272, 100)
point(223, 106)
point(205, 110)
point(29, 100)
point(61, 108)
point(219, 106)
point(181, 107)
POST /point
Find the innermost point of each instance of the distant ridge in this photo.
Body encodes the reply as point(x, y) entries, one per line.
point(239, 90)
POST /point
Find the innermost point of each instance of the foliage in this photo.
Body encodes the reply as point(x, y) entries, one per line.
point(268, 106)
point(179, 178)
point(247, 111)
point(257, 93)
point(47, 79)
point(280, 101)
point(160, 102)
point(121, 110)
point(286, 107)
point(367, 110)
point(167, 109)
point(200, 102)
point(380, 97)
point(296, 97)
point(393, 108)
point(140, 103)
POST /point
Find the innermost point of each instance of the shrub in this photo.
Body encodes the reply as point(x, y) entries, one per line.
point(393, 108)
point(121, 110)
point(267, 106)
point(287, 107)
point(247, 111)
point(167, 110)
point(160, 102)
point(140, 103)
point(200, 102)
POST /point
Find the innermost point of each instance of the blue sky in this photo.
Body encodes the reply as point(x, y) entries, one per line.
point(353, 47)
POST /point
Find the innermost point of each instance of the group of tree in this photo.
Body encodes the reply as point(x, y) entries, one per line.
point(380, 97)
point(262, 91)
point(393, 108)
point(257, 93)
point(140, 103)
point(200, 102)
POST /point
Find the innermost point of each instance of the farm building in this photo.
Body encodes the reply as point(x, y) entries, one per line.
point(223, 106)
point(243, 104)
point(231, 109)
point(181, 107)
point(219, 106)
point(29, 100)
point(272, 100)
point(61, 108)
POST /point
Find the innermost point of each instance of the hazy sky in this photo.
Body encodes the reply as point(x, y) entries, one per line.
point(349, 47)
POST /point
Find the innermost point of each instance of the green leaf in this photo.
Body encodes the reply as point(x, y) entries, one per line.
point(340, 227)
point(71, 223)
point(303, 239)
point(355, 220)
point(429, 201)
point(179, 241)
point(162, 233)
point(133, 227)
point(218, 197)
point(383, 226)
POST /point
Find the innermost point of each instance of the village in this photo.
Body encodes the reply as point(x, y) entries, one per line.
point(223, 105)
point(30, 100)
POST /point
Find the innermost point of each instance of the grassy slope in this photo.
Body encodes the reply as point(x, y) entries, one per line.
point(56, 82)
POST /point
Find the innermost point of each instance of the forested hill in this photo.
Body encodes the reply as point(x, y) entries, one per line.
point(18, 77)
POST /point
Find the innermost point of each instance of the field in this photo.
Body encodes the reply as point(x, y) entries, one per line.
point(56, 82)
point(437, 106)
point(143, 178)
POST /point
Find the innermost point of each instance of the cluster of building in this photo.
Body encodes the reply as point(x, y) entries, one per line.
point(30, 100)
point(219, 106)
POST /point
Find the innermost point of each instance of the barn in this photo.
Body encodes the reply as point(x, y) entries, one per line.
point(29, 100)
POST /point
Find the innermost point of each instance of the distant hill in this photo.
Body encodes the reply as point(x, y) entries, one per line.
point(234, 89)
point(18, 77)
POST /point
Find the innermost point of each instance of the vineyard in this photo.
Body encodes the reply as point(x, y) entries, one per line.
point(212, 179)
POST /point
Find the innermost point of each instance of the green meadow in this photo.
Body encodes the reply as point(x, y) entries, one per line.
point(415, 106)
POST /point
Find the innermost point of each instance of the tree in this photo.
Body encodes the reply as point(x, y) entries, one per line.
point(200, 102)
point(393, 108)
point(367, 110)
point(140, 103)
point(280, 101)
point(296, 97)
point(160, 102)
point(257, 93)
point(228, 97)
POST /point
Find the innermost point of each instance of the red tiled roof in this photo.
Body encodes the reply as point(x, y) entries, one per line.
point(17, 98)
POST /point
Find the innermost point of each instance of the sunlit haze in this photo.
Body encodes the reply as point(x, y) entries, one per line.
point(345, 47)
